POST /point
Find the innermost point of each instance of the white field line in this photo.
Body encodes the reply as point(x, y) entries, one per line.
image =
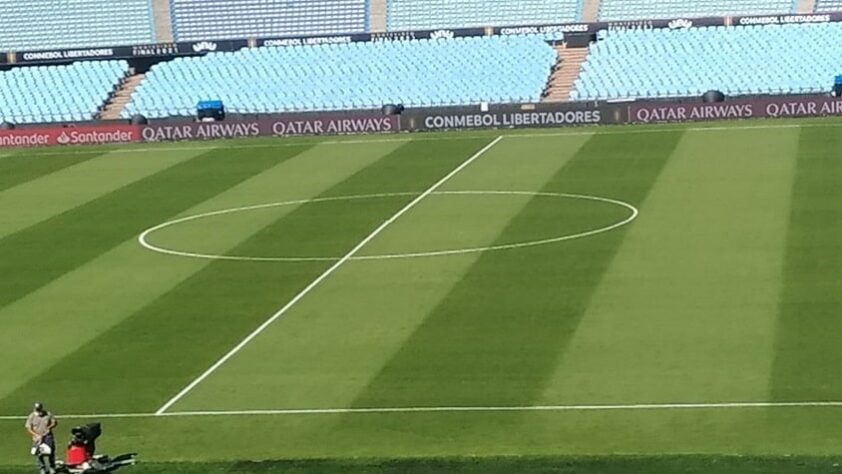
point(577, 131)
point(143, 238)
point(324, 275)
point(458, 409)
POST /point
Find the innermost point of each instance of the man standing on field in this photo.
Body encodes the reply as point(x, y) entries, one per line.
point(40, 425)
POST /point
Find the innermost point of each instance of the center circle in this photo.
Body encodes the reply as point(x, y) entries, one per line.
point(633, 212)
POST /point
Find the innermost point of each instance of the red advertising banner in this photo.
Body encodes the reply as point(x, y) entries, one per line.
point(81, 135)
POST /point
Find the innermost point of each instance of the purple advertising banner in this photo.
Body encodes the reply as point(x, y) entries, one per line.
point(761, 107)
point(538, 115)
point(272, 125)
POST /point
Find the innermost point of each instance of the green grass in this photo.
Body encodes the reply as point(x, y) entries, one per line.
point(486, 465)
point(725, 289)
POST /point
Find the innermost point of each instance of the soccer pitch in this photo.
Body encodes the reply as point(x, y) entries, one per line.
point(657, 291)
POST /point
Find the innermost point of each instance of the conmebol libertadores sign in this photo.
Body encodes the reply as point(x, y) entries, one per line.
point(546, 116)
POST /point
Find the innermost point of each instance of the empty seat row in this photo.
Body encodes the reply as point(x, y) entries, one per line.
point(769, 59)
point(615, 10)
point(350, 76)
point(58, 93)
point(405, 15)
point(823, 6)
point(223, 19)
point(61, 24)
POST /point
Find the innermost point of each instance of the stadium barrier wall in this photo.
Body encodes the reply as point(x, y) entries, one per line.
point(430, 119)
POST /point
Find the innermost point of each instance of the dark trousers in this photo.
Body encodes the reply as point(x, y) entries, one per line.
point(47, 462)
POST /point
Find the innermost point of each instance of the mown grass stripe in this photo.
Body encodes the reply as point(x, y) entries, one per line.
point(497, 337)
point(47, 196)
point(808, 352)
point(43, 252)
point(22, 166)
point(690, 298)
point(326, 349)
point(111, 287)
point(162, 347)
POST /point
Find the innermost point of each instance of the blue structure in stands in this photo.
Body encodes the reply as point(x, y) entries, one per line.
point(405, 15)
point(771, 59)
point(350, 76)
point(195, 20)
point(614, 10)
point(57, 93)
point(63, 24)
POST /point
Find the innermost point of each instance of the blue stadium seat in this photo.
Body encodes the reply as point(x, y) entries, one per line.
point(405, 15)
point(224, 19)
point(63, 24)
point(615, 10)
point(824, 6)
point(57, 93)
point(770, 59)
point(351, 76)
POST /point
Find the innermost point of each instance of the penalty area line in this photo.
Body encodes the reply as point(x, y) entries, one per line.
point(457, 409)
point(347, 257)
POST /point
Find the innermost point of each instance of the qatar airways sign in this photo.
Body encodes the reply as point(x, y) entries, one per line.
point(764, 107)
point(335, 125)
point(277, 125)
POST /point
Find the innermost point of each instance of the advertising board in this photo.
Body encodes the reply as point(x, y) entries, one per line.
point(536, 115)
point(272, 125)
point(82, 135)
point(760, 107)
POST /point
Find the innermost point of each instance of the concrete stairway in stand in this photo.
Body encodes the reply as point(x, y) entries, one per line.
point(377, 16)
point(117, 102)
point(163, 21)
point(805, 6)
point(565, 73)
point(590, 10)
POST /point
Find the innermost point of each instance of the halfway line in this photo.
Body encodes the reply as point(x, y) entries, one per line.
point(322, 277)
point(457, 409)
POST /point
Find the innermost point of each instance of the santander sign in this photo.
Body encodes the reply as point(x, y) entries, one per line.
point(81, 135)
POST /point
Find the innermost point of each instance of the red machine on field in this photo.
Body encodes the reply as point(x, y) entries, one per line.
point(82, 457)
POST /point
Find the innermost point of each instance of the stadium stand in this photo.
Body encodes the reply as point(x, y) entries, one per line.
point(615, 10)
point(63, 24)
point(58, 93)
point(350, 76)
point(433, 14)
point(770, 59)
point(195, 20)
point(824, 6)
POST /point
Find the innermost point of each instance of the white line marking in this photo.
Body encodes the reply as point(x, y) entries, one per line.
point(324, 275)
point(143, 237)
point(451, 135)
point(458, 409)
